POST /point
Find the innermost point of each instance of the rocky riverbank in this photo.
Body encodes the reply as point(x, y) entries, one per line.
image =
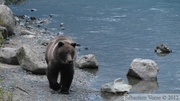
point(25, 86)
point(18, 84)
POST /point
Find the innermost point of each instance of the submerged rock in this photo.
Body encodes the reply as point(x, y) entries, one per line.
point(8, 56)
point(116, 87)
point(30, 60)
point(144, 69)
point(87, 61)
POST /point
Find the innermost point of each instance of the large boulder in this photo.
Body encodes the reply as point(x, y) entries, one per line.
point(8, 56)
point(30, 60)
point(87, 61)
point(144, 69)
point(7, 19)
point(116, 87)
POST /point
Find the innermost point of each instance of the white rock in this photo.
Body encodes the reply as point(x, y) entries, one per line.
point(30, 60)
point(144, 69)
point(87, 61)
point(8, 56)
point(7, 18)
point(116, 87)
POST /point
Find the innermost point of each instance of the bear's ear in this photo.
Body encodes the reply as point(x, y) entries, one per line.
point(74, 44)
point(60, 44)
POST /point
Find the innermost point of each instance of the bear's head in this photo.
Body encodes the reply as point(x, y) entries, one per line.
point(65, 52)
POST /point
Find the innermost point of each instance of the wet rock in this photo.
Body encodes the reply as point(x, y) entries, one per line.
point(116, 87)
point(30, 60)
point(87, 61)
point(162, 49)
point(7, 19)
point(8, 56)
point(144, 69)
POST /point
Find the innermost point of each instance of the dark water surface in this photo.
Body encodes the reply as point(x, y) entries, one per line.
point(118, 31)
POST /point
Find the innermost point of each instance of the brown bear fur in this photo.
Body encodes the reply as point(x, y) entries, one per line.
point(60, 55)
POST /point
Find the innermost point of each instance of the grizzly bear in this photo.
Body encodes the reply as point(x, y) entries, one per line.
point(60, 57)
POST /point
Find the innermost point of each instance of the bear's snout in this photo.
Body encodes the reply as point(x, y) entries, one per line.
point(69, 59)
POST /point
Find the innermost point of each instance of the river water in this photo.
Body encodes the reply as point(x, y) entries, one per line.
point(116, 32)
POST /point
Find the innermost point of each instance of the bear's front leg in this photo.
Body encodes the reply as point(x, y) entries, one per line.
point(52, 76)
point(66, 79)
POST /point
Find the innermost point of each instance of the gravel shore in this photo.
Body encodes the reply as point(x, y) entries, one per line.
point(25, 86)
